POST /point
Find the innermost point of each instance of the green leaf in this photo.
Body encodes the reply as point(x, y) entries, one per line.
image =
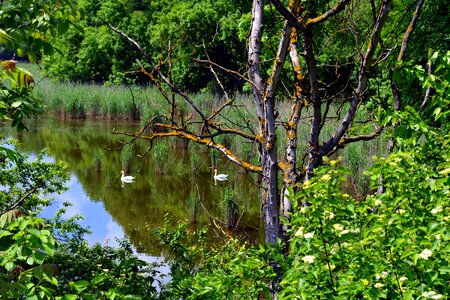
point(38, 257)
point(49, 249)
point(80, 285)
point(34, 232)
point(63, 26)
point(32, 56)
point(67, 297)
point(99, 278)
point(30, 260)
point(5, 38)
point(16, 104)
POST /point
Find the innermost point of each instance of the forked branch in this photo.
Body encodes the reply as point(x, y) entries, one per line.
point(174, 131)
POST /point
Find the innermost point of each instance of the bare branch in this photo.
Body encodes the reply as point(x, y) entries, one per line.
point(427, 92)
point(160, 74)
point(368, 137)
point(362, 80)
point(288, 15)
point(215, 74)
point(409, 30)
point(232, 72)
point(281, 55)
point(254, 55)
point(18, 202)
point(335, 10)
point(181, 133)
point(407, 36)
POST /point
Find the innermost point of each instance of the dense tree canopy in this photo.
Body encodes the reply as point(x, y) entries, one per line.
point(185, 29)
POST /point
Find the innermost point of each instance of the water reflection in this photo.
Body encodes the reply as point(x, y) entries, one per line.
point(178, 182)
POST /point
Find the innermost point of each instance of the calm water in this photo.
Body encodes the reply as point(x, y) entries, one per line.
point(179, 183)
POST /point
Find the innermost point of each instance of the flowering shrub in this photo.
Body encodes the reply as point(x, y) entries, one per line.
point(392, 245)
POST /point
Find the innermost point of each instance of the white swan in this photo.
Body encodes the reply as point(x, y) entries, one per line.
point(220, 177)
point(124, 178)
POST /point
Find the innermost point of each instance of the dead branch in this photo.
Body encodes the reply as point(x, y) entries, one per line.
point(182, 133)
point(427, 92)
point(18, 202)
point(172, 87)
point(335, 10)
point(360, 91)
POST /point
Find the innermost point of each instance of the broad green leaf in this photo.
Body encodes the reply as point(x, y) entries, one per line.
point(38, 257)
point(80, 285)
point(67, 297)
point(49, 249)
point(99, 278)
point(30, 260)
point(16, 104)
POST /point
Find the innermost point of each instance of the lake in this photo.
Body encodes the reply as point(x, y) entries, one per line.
point(170, 180)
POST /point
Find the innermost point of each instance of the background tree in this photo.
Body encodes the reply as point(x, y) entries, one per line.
point(181, 28)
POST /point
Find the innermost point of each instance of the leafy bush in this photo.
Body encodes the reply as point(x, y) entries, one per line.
point(48, 259)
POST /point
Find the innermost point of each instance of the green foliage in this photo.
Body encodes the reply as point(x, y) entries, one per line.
point(101, 272)
point(229, 271)
point(415, 79)
point(26, 242)
point(391, 245)
point(24, 182)
point(100, 55)
point(27, 27)
point(47, 259)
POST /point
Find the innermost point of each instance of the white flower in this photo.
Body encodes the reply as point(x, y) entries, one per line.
point(344, 232)
point(436, 210)
point(299, 232)
point(356, 230)
point(432, 295)
point(378, 202)
point(403, 279)
point(308, 235)
point(383, 274)
point(426, 254)
point(334, 249)
point(378, 285)
point(338, 227)
point(329, 215)
point(308, 259)
point(401, 211)
point(438, 236)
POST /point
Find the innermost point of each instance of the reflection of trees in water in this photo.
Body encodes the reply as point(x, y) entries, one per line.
point(183, 190)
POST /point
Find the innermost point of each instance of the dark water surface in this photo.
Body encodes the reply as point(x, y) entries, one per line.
point(180, 183)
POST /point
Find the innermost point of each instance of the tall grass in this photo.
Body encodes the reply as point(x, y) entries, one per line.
point(126, 157)
point(98, 158)
point(75, 100)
